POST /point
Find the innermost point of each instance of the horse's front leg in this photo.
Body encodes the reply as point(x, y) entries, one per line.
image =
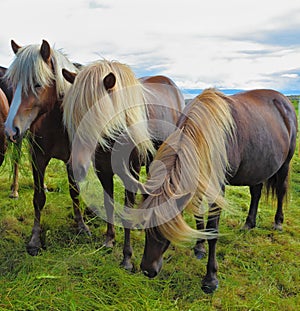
point(74, 193)
point(39, 165)
point(106, 179)
point(210, 281)
point(130, 194)
point(127, 249)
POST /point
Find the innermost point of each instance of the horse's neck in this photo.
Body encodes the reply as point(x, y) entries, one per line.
point(7, 90)
point(50, 118)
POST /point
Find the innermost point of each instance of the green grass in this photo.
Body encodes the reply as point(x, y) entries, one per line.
point(258, 270)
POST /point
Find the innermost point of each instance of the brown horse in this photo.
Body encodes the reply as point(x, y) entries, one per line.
point(125, 119)
point(245, 139)
point(3, 114)
point(36, 76)
point(8, 91)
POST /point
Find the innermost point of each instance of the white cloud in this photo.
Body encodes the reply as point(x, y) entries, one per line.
point(226, 44)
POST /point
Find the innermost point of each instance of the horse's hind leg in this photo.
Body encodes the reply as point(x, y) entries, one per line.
point(281, 189)
point(74, 193)
point(255, 192)
point(210, 281)
point(15, 184)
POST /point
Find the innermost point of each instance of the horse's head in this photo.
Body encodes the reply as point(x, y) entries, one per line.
point(106, 101)
point(35, 74)
point(83, 147)
point(32, 77)
point(155, 246)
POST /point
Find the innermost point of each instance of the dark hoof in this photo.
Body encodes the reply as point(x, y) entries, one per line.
point(127, 265)
point(277, 227)
point(247, 227)
point(200, 254)
point(209, 287)
point(84, 230)
point(32, 250)
point(109, 243)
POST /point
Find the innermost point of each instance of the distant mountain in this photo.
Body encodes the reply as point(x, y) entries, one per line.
point(191, 93)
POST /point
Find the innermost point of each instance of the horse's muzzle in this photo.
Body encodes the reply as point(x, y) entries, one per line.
point(151, 271)
point(13, 135)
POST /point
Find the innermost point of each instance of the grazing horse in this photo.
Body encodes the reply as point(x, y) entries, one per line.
point(36, 76)
point(245, 139)
point(3, 114)
point(124, 119)
point(8, 91)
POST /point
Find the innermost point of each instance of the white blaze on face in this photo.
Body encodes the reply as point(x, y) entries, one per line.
point(9, 128)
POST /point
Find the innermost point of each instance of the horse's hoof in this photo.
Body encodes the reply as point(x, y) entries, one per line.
point(32, 250)
point(200, 254)
point(209, 287)
point(109, 241)
point(277, 227)
point(14, 195)
point(109, 244)
point(84, 230)
point(247, 227)
point(127, 265)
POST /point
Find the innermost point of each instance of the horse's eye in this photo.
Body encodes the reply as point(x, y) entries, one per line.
point(37, 86)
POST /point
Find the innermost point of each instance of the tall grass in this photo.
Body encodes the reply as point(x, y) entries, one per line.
point(258, 270)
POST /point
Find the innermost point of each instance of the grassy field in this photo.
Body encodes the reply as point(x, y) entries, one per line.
point(258, 270)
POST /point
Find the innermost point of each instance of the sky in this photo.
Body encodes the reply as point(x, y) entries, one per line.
point(226, 44)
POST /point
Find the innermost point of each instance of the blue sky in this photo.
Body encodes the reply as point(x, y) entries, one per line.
point(224, 44)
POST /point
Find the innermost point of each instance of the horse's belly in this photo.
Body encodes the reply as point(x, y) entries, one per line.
point(255, 168)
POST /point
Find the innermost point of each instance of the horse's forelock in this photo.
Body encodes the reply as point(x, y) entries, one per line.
point(109, 112)
point(30, 69)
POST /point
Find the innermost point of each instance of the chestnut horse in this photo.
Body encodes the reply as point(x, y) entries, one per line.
point(8, 92)
point(36, 76)
point(3, 114)
point(244, 139)
point(124, 119)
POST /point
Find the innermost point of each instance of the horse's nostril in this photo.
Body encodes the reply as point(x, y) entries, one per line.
point(146, 272)
point(150, 274)
point(17, 134)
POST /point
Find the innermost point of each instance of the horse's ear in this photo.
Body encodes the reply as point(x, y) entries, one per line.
point(15, 47)
point(109, 81)
point(45, 51)
point(68, 75)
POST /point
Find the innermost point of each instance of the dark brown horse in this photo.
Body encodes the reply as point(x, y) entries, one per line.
point(125, 119)
point(39, 87)
point(8, 91)
point(245, 139)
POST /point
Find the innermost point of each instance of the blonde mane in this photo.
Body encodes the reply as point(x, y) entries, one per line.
point(190, 166)
point(94, 114)
point(30, 69)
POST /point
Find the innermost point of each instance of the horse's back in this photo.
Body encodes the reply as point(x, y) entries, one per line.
point(4, 107)
point(3, 114)
point(3, 85)
point(266, 128)
point(164, 102)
